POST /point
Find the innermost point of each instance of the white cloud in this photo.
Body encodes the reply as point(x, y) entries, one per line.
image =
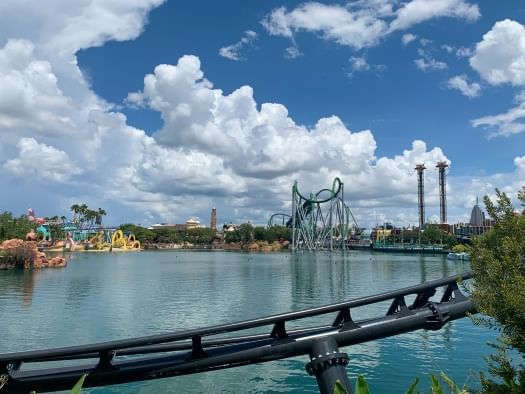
point(292, 52)
point(500, 56)
point(360, 64)
point(500, 59)
point(234, 52)
point(460, 52)
point(427, 63)
point(417, 11)
point(357, 29)
point(505, 124)
point(30, 96)
point(39, 162)
point(362, 24)
point(460, 82)
point(408, 38)
point(65, 27)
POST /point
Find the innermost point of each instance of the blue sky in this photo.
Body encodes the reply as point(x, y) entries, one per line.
point(361, 90)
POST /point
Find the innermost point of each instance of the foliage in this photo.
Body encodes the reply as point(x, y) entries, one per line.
point(511, 379)
point(498, 265)
point(83, 215)
point(143, 234)
point(77, 388)
point(437, 387)
point(169, 235)
point(460, 248)
point(361, 387)
point(259, 234)
point(200, 235)
point(246, 232)
point(11, 227)
point(232, 236)
point(278, 233)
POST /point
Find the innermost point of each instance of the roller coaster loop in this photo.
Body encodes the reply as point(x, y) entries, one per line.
point(217, 347)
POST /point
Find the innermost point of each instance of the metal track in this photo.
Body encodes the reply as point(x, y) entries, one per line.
point(212, 348)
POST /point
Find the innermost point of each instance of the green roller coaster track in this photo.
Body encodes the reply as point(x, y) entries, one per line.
point(320, 221)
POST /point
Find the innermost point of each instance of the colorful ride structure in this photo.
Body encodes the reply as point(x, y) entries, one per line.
point(320, 221)
point(82, 236)
point(101, 239)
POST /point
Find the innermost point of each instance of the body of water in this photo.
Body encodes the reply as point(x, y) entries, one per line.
point(107, 296)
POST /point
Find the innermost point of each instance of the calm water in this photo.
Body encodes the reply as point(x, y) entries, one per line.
point(106, 296)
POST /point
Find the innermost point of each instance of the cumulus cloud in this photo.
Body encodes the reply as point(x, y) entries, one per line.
point(234, 52)
point(408, 38)
point(40, 162)
point(460, 82)
point(253, 142)
point(500, 56)
point(30, 95)
point(65, 27)
point(363, 24)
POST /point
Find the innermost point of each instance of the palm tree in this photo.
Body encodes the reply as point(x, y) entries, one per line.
point(82, 211)
point(90, 216)
point(76, 209)
point(100, 213)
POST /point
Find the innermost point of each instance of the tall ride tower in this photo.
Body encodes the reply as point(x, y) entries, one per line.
point(213, 221)
point(421, 193)
point(442, 166)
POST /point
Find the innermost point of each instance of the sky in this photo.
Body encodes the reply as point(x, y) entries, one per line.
point(159, 110)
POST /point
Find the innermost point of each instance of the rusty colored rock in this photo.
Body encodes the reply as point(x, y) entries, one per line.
point(26, 255)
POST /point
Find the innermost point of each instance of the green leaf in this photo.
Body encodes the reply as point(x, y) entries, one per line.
point(450, 383)
point(361, 387)
point(339, 388)
point(436, 385)
point(413, 386)
point(77, 389)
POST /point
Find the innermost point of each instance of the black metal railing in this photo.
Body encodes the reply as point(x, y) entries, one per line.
point(212, 348)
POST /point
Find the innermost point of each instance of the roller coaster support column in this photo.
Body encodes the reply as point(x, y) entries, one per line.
point(328, 365)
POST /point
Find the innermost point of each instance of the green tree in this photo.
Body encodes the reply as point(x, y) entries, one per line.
point(143, 234)
point(232, 236)
point(498, 265)
point(75, 208)
point(201, 235)
point(259, 233)
point(246, 232)
point(100, 213)
point(11, 227)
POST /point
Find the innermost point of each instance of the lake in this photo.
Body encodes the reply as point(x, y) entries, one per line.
point(107, 296)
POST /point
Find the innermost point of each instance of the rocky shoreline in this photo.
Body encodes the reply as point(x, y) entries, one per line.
point(19, 254)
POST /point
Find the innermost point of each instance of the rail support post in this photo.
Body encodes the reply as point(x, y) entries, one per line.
point(328, 365)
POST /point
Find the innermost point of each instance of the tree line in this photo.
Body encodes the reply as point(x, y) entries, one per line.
point(84, 215)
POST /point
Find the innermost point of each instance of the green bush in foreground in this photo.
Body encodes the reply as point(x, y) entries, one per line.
point(498, 265)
